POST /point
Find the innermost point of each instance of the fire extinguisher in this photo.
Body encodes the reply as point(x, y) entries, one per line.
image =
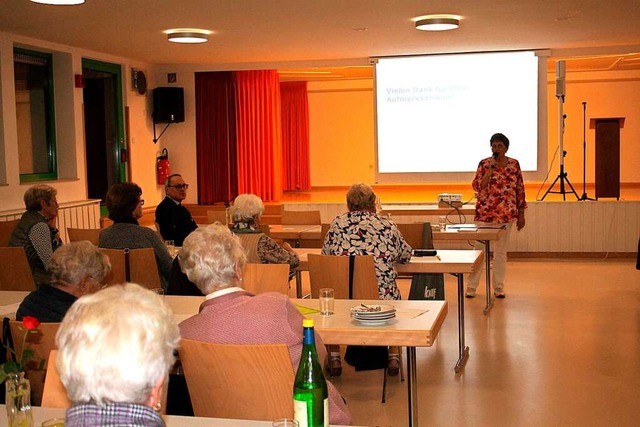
point(162, 165)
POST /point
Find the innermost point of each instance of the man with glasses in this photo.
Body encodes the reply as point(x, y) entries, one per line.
point(174, 220)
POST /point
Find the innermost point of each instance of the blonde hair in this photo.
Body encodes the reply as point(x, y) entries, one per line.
point(36, 193)
point(211, 257)
point(116, 345)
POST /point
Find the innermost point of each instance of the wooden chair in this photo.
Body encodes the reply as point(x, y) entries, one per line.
point(54, 394)
point(301, 217)
point(143, 268)
point(329, 271)
point(220, 216)
point(259, 278)
point(79, 234)
point(412, 233)
point(251, 382)
point(41, 343)
point(15, 273)
point(6, 228)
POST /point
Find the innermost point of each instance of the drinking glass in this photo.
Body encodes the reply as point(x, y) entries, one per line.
point(327, 299)
point(171, 247)
point(53, 422)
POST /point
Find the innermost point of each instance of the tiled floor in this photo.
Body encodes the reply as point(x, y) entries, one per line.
point(563, 349)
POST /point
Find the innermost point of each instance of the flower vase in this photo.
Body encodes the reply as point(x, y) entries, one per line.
point(18, 400)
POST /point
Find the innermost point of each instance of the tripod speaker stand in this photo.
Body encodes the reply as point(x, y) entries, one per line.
point(562, 176)
point(584, 154)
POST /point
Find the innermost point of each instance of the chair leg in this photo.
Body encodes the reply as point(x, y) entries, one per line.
point(401, 368)
point(384, 386)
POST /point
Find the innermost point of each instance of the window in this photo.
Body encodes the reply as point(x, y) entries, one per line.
point(33, 74)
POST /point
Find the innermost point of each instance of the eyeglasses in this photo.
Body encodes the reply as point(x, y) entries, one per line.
point(141, 202)
point(180, 186)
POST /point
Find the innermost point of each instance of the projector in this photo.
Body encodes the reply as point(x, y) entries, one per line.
point(446, 200)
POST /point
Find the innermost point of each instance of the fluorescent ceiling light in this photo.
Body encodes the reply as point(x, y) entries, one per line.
point(59, 2)
point(437, 23)
point(188, 36)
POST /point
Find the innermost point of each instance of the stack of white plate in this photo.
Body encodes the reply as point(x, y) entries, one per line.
point(373, 314)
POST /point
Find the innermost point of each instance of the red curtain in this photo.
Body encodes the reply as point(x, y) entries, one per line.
point(295, 135)
point(215, 137)
point(259, 133)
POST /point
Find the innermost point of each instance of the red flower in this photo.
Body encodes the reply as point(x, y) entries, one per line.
point(30, 322)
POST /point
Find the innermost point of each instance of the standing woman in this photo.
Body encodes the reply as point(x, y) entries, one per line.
point(501, 200)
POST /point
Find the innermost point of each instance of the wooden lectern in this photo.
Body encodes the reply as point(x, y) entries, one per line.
point(607, 155)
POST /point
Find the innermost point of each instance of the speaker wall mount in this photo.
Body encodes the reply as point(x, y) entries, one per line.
point(168, 107)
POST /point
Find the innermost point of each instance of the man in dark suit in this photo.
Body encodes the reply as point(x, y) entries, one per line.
point(174, 220)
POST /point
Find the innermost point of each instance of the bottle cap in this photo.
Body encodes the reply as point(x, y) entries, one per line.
point(307, 323)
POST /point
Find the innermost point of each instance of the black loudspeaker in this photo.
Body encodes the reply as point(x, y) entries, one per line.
point(168, 105)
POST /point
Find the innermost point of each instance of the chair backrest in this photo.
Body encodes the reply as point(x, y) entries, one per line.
point(15, 273)
point(259, 278)
point(6, 228)
point(79, 234)
point(329, 271)
point(324, 229)
point(41, 343)
point(251, 382)
point(54, 394)
point(143, 268)
point(301, 217)
point(220, 216)
point(417, 235)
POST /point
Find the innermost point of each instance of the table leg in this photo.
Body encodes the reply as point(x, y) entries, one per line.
point(412, 386)
point(463, 351)
point(487, 268)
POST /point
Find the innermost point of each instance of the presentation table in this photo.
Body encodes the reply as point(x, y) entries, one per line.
point(454, 262)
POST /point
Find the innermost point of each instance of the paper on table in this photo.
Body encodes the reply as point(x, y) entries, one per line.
point(8, 309)
point(306, 310)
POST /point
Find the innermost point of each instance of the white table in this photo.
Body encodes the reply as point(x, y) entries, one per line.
point(454, 262)
point(43, 414)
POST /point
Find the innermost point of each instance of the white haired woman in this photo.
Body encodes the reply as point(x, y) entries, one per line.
point(76, 269)
point(213, 258)
point(246, 212)
point(115, 351)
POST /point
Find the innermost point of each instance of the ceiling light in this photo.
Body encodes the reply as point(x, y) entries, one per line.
point(59, 2)
point(188, 36)
point(437, 23)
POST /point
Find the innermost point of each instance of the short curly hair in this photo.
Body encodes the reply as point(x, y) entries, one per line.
point(499, 137)
point(36, 193)
point(122, 200)
point(361, 197)
point(246, 207)
point(74, 261)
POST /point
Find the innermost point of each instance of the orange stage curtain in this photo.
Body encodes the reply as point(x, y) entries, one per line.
point(215, 137)
point(295, 135)
point(259, 133)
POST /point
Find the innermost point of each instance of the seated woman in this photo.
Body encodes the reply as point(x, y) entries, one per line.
point(213, 259)
point(76, 269)
point(260, 248)
point(115, 351)
point(36, 231)
point(361, 231)
point(125, 208)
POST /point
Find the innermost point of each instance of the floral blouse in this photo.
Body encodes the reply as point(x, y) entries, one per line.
point(366, 233)
point(503, 198)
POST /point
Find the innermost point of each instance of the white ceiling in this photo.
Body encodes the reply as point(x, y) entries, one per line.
point(249, 32)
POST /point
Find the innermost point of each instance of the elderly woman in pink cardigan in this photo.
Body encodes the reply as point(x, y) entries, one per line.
point(213, 258)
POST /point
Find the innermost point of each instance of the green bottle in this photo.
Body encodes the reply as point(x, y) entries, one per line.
point(310, 395)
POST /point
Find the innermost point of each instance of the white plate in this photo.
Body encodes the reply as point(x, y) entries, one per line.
point(374, 317)
point(372, 322)
point(384, 308)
